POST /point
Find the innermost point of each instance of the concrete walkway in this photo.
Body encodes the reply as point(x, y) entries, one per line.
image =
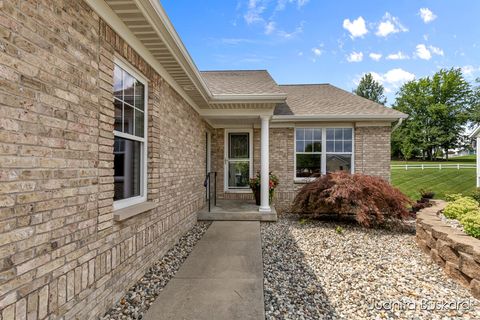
point(221, 279)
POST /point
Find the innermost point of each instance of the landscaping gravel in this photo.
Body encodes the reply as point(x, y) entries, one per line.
point(330, 270)
point(139, 297)
point(452, 222)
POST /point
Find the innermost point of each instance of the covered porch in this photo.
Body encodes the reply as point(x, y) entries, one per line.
point(237, 150)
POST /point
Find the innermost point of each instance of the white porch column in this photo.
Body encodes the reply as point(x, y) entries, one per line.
point(265, 166)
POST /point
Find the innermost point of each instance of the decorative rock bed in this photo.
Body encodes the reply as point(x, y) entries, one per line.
point(457, 253)
point(318, 269)
point(138, 298)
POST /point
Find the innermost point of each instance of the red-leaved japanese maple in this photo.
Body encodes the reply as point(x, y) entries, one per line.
point(371, 199)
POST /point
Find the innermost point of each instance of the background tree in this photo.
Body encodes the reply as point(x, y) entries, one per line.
point(438, 109)
point(370, 89)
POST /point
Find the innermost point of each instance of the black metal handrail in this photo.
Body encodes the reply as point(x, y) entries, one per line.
point(208, 187)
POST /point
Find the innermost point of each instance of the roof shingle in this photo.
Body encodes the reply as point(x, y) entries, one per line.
point(242, 82)
point(325, 99)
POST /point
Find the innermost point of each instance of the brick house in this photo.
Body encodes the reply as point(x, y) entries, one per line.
point(107, 131)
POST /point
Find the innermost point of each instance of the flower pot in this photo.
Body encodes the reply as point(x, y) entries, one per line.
point(256, 192)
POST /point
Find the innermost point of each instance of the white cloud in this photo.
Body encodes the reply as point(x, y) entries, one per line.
point(270, 27)
point(375, 56)
point(254, 11)
point(391, 80)
point(317, 52)
point(397, 56)
point(470, 71)
point(426, 53)
point(427, 15)
point(389, 25)
point(355, 57)
point(436, 50)
point(357, 27)
point(281, 4)
point(289, 35)
point(397, 77)
point(422, 52)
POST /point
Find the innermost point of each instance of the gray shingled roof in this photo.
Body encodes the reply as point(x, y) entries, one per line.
point(241, 82)
point(325, 99)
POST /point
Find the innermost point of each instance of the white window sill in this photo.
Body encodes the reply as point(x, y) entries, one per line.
point(239, 190)
point(134, 210)
point(303, 180)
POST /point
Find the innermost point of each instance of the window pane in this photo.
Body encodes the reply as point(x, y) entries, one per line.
point(317, 134)
point(300, 134)
point(330, 146)
point(118, 115)
point(339, 162)
point(139, 125)
point(300, 146)
point(238, 174)
point(127, 119)
point(347, 146)
point(117, 82)
point(308, 146)
point(139, 95)
point(239, 145)
point(128, 88)
point(127, 168)
point(338, 134)
point(308, 134)
point(338, 146)
point(308, 165)
point(317, 147)
point(347, 134)
point(330, 134)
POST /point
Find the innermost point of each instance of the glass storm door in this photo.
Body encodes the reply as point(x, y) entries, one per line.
point(237, 160)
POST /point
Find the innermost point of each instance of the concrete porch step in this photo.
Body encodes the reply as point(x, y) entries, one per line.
point(236, 210)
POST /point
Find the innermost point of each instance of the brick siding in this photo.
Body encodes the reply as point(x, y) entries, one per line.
point(372, 157)
point(61, 253)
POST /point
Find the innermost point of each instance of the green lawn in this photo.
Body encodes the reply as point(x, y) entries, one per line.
point(440, 181)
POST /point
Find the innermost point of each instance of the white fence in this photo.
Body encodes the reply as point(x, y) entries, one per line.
point(440, 166)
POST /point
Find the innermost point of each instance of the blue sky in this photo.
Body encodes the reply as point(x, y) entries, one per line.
point(313, 41)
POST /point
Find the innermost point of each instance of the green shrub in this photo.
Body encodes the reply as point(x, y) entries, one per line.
point(460, 207)
point(426, 194)
point(471, 223)
point(476, 195)
point(453, 196)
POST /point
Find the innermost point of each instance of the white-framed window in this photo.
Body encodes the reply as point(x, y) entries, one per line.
point(130, 91)
point(320, 150)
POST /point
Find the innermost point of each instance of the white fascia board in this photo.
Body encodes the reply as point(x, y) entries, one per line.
point(107, 14)
point(248, 98)
point(229, 113)
point(330, 117)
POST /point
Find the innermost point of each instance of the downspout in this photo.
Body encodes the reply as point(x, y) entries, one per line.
point(399, 123)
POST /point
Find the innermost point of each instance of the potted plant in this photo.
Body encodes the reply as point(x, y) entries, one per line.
point(255, 186)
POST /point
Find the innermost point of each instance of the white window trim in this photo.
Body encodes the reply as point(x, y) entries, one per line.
point(120, 204)
point(323, 153)
point(226, 188)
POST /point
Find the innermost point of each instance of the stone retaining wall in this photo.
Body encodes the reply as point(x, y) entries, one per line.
point(457, 253)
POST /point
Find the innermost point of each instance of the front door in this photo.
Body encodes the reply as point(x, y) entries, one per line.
point(238, 158)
